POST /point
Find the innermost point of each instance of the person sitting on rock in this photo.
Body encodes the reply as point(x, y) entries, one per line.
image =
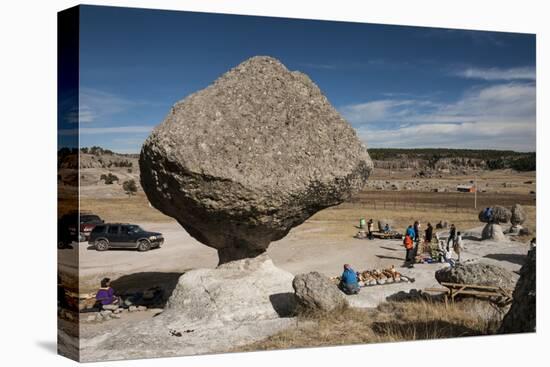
point(387, 228)
point(106, 295)
point(349, 283)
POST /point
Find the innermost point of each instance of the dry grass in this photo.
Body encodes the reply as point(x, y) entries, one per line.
point(337, 222)
point(128, 209)
point(390, 322)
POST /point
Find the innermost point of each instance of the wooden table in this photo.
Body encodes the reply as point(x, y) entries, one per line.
point(452, 290)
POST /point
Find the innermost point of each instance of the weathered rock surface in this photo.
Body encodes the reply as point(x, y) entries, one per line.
point(478, 273)
point(518, 215)
point(493, 231)
point(500, 215)
point(315, 292)
point(210, 310)
point(240, 163)
point(522, 316)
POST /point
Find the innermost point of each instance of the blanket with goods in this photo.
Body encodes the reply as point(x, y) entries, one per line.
point(374, 277)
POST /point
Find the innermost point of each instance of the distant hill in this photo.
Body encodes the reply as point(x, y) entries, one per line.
point(435, 158)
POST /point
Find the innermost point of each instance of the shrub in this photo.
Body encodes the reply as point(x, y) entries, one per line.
point(130, 187)
point(109, 179)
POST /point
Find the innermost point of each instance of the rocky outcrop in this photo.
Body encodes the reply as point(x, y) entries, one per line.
point(315, 292)
point(477, 273)
point(259, 151)
point(522, 316)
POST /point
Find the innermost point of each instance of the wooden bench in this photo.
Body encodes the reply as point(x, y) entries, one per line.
point(452, 290)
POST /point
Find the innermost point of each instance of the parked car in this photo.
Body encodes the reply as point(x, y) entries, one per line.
point(123, 235)
point(87, 224)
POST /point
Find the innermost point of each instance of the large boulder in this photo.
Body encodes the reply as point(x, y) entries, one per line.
point(477, 273)
point(500, 214)
point(315, 292)
point(518, 215)
point(494, 232)
point(241, 162)
point(522, 316)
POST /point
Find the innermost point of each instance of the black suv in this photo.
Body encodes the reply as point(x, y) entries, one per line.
point(123, 235)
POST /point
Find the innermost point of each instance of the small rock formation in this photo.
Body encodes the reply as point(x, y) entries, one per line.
point(315, 292)
point(518, 218)
point(493, 229)
point(256, 153)
point(522, 316)
point(478, 273)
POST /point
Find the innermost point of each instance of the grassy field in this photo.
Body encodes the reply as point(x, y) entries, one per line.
point(390, 322)
point(338, 221)
point(134, 209)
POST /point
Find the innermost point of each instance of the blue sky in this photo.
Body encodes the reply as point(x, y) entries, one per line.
point(398, 86)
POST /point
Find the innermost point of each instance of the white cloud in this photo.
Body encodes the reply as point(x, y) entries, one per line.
point(500, 117)
point(374, 111)
point(96, 105)
point(492, 74)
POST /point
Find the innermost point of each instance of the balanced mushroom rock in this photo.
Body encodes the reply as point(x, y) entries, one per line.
point(518, 218)
point(494, 217)
point(241, 162)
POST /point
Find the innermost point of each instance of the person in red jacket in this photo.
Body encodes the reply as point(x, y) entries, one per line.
point(409, 246)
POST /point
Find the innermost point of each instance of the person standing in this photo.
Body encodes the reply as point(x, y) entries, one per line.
point(429, 233)
point(452, 234)
point(458, 245)
point(370, 227)
point(410, 232)
point(416, 231)
point(409, 247)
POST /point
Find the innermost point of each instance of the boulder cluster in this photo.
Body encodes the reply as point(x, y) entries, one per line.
point(495, 216)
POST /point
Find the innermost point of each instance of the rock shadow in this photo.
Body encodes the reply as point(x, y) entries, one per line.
point(390, 249)
point(390, 257)
point(284, 304)
point(512, 258)
point(151, 289)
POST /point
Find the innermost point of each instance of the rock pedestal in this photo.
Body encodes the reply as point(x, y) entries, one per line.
point(493, 231)
point(241, 162)
point(242, 290)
